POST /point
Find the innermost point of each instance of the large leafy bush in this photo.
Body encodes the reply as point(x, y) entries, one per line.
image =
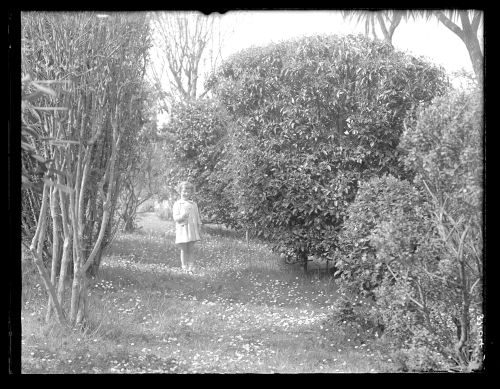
point(391, 253)
point(444, 146)
point(311, 118)
point(414, 248)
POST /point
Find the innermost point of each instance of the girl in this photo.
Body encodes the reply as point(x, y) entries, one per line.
point(187, 224)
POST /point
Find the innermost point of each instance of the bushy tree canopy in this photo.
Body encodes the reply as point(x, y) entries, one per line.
point(311, 118)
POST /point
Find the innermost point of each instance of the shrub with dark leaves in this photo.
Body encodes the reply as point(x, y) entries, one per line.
point(311, 118)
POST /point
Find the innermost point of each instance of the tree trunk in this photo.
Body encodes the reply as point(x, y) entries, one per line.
point(66, 254)
point(75, 294)
point(77, 250)
point(460, 347)
point(476, 57)
point(468, 35)
point(303, 260)
point(82, 305)
point(37, 248)
point(55, 246)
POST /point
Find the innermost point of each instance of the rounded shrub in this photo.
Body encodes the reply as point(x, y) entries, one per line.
point(310, 119)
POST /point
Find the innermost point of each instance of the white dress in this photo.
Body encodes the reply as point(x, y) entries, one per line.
point(186, 231)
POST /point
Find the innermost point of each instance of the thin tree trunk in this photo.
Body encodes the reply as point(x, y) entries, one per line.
point(75, 292)
point(77, 255)
point(79, 291)
point(76, 214)
point(82, 306)
point(106, 205)
point(464, 319)
point(67, 231)
point(37, 248)
point(55, 246)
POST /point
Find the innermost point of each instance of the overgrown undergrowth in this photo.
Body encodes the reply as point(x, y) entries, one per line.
point(242, 311)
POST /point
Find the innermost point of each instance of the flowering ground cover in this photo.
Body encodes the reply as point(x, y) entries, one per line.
point(242, 311)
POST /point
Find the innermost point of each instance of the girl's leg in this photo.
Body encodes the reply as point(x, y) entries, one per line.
point(190, 257)
point(184, 254)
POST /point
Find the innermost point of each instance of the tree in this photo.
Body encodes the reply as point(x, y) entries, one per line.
point(309, 119)
point(189, 44)
point(83, 124)
point(465, 24)
point(470, 23)
point(386, 20)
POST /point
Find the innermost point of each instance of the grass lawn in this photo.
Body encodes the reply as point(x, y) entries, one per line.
point(242, 311)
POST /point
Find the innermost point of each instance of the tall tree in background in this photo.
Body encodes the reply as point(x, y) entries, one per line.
point(189, 44)
point(386, 20)
point(466, 24)
point(463, 23)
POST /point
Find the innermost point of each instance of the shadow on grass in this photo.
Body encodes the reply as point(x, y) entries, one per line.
point(253, 284)
point(230, 268)
point(221, 231)
point(146, 249)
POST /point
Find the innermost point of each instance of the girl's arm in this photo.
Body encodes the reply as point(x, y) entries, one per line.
point(176, 213)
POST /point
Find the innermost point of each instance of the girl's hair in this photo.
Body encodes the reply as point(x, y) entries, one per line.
point(184, 184)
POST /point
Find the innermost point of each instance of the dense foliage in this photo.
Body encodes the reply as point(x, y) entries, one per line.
point(311, 118)
point(83, 104)
point(193, 150)
point(91, 71)
point(415, 248)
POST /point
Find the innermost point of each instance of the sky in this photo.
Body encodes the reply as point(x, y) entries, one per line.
point(429, 38)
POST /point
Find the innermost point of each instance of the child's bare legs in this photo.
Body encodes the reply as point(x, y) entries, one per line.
point(184, 255)
point(190, 257)
point(187, 255)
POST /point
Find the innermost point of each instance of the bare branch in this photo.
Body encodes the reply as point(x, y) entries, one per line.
point(398, 280)
point(184, 39)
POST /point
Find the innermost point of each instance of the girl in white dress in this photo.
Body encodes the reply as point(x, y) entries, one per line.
point(187, 224)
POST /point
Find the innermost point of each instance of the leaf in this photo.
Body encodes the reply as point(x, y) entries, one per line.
point(63, 142)
point(27, 146)
point(56, 171)
point(28, 130)
point(39, 158)
point(64, 188)
point(44, 89)
point(51, 108)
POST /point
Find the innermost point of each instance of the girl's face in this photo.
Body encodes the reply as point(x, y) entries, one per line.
point(186, 192)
